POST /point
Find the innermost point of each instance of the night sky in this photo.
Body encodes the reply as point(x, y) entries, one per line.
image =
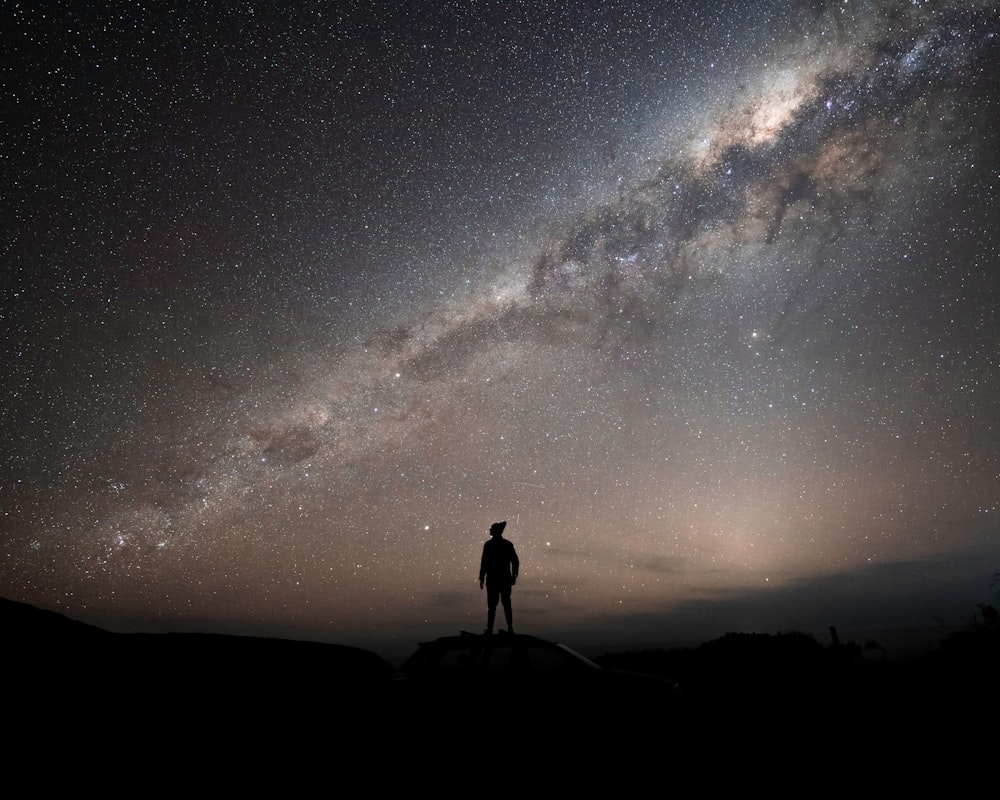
point(701, 297)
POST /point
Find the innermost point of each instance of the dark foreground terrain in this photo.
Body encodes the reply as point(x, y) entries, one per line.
point(83, 704)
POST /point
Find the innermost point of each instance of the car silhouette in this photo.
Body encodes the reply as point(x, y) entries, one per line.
point(499, 655)
point(501, 678)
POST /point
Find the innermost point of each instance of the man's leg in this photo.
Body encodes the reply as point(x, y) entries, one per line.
point(492, 598)
point(505, 596)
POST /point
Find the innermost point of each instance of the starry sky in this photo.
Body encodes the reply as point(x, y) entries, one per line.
point(701, 297)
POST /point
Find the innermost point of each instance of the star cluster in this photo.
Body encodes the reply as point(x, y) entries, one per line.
point(700, 297)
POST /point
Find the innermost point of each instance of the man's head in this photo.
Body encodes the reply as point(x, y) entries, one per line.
point(496, 529)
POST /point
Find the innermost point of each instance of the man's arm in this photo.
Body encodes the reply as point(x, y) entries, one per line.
point(514, 564)
point(482, 567)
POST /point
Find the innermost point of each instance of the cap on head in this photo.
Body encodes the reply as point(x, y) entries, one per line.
point(497, 528)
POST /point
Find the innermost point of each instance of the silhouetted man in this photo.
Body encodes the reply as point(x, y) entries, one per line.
point(499, 569)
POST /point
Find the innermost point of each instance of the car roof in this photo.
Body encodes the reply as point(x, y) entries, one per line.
point(465, 639)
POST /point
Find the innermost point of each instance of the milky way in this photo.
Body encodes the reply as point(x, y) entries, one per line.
point(701, 299)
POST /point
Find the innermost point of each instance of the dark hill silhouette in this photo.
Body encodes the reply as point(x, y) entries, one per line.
point(27, 624)
point(84, 692)
point(782, 702)
point(786, 696)
point(39, 637)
